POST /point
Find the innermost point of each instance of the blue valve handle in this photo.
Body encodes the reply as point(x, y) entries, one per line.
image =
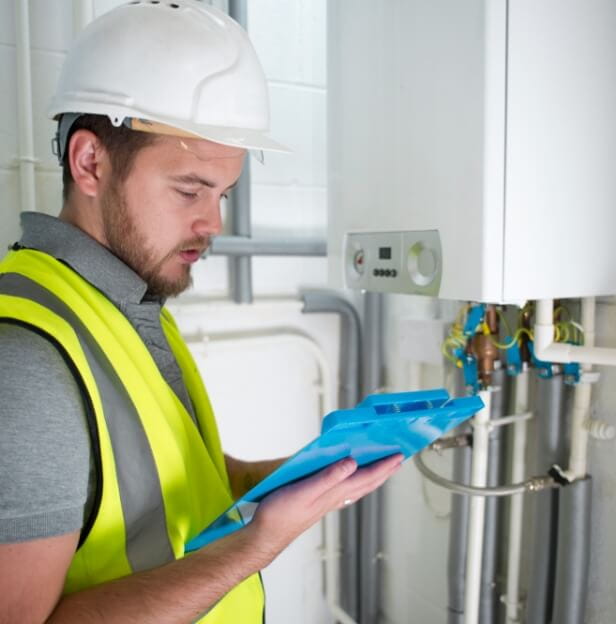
point(380, 426)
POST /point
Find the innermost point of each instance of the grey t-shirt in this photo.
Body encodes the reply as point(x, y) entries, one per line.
point(45, 452)
point(47, 475)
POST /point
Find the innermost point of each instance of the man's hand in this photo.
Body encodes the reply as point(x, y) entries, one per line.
point(288, 512)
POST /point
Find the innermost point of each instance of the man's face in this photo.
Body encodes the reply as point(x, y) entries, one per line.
point(160, 220)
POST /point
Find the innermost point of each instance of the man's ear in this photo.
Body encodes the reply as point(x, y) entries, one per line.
point(86, 158)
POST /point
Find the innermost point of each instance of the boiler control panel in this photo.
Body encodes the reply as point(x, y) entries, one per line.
point(396, 262)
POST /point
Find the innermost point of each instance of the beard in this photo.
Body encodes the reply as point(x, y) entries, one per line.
point(129, 245)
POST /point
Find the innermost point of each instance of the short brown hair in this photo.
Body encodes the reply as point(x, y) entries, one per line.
point(121, 143)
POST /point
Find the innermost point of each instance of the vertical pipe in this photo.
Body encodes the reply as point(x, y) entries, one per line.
point(349, 395)
point(573, 552)
point(574, 505)
point(24, 107)
point(238, 204)
point(479, 474)
point(458, 533)
point(370, 507)
point(458, 525)
point(581, 401)
point(350, 341)
point(550, 450)
point(516, 509)
point(490, 595)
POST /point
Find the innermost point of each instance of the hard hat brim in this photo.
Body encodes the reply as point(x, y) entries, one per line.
point(235, 137)
point(246, 138)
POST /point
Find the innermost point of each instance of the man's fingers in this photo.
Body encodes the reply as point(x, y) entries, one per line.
point(364, 481)
point(328, 478)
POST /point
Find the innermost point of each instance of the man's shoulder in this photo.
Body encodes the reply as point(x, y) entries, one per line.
point(33, 367)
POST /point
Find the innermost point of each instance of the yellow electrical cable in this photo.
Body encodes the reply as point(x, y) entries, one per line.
point(562, 308)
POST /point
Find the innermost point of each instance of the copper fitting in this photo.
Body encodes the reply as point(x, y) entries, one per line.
point(486, 353)
point(484, 349)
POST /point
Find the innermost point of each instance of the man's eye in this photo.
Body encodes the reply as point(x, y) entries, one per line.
point(186, 194)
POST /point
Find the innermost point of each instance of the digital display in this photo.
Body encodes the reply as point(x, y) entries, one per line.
point(384, 253)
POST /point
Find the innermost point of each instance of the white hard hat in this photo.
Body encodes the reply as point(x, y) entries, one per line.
point(179, 67)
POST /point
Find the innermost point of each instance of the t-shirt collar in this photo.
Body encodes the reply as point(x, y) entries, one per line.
point(94, 262)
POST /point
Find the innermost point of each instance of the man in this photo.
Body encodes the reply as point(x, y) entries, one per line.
point(110, 460)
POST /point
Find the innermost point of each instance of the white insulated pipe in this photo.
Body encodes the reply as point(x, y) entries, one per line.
point(546, 349)
point(479, 478)
point(578, 455)
point(24, 107)
point(516, 509)
point(549, 351)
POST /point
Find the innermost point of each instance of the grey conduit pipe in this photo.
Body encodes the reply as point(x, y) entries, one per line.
point(458, 524)
point(267, 246)
point(550, 450)
point(370, 523)
point(458, 537)
point(573, 552)
point(350, 338)
point(238, 204)
point(489, 604)
point(348, 396)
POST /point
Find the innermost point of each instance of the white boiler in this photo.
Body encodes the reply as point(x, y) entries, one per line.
point(472, 147)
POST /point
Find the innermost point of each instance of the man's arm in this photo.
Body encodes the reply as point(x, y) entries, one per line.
point(32, 573)
point(244, 475)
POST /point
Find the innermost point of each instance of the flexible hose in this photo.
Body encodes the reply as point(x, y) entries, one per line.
point(533, 484)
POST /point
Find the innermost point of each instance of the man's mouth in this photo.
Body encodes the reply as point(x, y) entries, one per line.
point(191, 255)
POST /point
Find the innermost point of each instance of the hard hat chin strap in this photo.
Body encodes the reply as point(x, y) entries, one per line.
point(59, 141)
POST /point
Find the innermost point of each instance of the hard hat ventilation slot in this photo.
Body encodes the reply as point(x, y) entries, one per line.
point(174, 6)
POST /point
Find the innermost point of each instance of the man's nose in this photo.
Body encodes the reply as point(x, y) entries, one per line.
point(209, 222)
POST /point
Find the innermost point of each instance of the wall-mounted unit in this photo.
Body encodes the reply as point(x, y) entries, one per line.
point(472, 147)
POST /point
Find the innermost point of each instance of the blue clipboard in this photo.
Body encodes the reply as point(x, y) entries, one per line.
point(381, 425)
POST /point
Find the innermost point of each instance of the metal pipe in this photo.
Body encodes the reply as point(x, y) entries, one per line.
point(490, 595)
point(26, 156)
point(240, 262)
point(516, 510)
point(549, 451)
point(573, 554)
point(239, 202)
point(370, 523)
point(242, 245)
point(348, 396)
point(534, 484)
point(479, 476)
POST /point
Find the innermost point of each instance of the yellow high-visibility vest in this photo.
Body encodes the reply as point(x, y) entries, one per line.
point(162, 477)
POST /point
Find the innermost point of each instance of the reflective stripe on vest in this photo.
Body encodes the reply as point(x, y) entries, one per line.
point(163, 477)
point(147, 541)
